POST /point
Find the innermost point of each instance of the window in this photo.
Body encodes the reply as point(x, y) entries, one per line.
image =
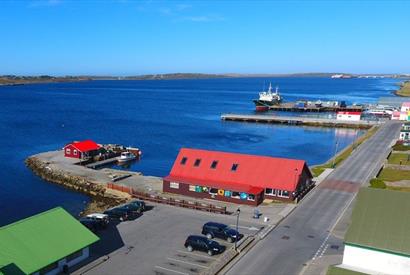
point(74, 255)
point(234, 167)
point(236, 195)
point(174, 185)
point(213, 191)
point(251, 197)
point(75, 152)
point(68, 150)
point(197, 162)
point(183, 160)
point(192, 188)
point(270, 191)
point(214, 164)
point(283, 194)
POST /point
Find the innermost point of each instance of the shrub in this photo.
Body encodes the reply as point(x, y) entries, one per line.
point(377, 183)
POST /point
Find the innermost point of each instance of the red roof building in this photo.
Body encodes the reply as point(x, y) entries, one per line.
point(235, 177)
point(80, 149)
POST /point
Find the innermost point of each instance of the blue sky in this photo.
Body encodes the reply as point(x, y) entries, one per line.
point(139, 37)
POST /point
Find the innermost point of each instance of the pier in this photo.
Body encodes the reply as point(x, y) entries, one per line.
point(101, 163)
point(308, 121)
point(293, 107)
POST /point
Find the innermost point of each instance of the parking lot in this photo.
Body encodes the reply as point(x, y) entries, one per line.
point(154, 243)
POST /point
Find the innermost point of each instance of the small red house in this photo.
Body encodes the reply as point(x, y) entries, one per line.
point(81, 149)
point(238, 178)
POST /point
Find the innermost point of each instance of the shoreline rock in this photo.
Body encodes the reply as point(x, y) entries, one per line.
point(101, 197)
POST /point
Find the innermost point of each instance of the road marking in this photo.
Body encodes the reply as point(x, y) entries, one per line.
point(176, 260)
point(252, 228)
point(167, 269)
point(193, 254)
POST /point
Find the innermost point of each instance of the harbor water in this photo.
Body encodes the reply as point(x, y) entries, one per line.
point(159, 117)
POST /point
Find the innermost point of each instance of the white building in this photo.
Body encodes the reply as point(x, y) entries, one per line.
point(348, 115)
point(378, 241)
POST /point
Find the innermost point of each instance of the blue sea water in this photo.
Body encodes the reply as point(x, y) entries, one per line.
point(159, 117)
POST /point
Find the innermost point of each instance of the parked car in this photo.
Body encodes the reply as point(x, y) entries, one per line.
point(138, 203)
point(130, 208)
point(219, 230)
point(201, 243)
point(92, 225)
point(102, 218)
point(117, 214)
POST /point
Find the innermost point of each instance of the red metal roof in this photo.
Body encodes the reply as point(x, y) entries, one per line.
point(348, 113)
point(252, 171)
point(85, 145)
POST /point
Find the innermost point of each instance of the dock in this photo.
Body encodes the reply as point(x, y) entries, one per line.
point(293, 107)
point(100, 163)
point(308, 121)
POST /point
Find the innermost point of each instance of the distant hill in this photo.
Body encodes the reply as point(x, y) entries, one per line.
point(21, 80)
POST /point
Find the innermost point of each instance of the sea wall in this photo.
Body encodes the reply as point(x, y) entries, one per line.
point(101, 197)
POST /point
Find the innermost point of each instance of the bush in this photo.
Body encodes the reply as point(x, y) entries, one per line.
point(377, 183)
point(399, 146)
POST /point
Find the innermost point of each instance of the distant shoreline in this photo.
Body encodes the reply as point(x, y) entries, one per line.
point(11, 80)
point(404, 90)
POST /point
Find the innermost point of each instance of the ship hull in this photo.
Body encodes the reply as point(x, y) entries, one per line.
point(262, 105)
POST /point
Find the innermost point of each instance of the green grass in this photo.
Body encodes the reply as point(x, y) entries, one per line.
point(389, 174)
point(398, 188)
point(317, 170)
point(396, 158)
point(401, 147)
point(404, 89)
point(377, 183)
point(333, 270)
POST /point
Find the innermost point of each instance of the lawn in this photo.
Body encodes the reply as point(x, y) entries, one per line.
point(389, 174)
point(404, 89)
point(398, 158)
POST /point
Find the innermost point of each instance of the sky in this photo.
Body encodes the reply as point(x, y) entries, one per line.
point(120, 37)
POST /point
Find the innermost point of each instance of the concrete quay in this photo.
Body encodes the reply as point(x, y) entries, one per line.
point(308, 121)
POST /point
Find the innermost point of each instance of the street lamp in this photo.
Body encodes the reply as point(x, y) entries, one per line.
point(334, 157)
point(238, 211)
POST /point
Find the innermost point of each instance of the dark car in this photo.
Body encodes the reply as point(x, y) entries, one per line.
point(92, 225)
point(219, 230)
point(140, 204)
point(131, 209)
point(203, 244)
point(117, 214)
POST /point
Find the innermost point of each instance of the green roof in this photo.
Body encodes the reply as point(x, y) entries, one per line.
point(35, 242)
point(380, 221)
point(335, 270)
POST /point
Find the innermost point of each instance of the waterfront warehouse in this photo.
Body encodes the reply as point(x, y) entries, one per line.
point(46, 243)
point(81, 149)
point(237, 178)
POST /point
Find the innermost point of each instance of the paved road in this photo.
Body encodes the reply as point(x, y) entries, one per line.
point(301, 236)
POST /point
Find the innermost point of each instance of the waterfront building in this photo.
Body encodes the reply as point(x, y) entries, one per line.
point(47, 243)
point(405, 107)
point(377, 241)
point(238, 178)
point(405, 132)
point(348, 115)
point(81, 149)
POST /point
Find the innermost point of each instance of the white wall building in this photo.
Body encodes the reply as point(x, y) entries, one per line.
point(377, 241)
point(348, 116)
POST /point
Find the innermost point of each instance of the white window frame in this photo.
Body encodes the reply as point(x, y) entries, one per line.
point(174, 185)
point(280, 194)
point(270, 194)
point(68, 151)
point(75, 152)
point(249, 199)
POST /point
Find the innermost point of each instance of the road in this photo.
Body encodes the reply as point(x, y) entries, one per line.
point(302, 235)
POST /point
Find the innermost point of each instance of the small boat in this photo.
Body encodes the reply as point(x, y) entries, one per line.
point(126, 156)
point(267, 98)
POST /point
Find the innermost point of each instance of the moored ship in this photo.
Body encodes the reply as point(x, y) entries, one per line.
point(267, 99)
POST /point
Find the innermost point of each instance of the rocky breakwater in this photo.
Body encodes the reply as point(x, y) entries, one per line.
point(101, 197)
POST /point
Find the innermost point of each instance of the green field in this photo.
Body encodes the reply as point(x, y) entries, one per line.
point(389, 174)
point(398, 158)
point(404, 89)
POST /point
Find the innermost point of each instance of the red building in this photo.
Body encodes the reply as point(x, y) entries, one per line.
point(238, 178)
point(81, 149)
